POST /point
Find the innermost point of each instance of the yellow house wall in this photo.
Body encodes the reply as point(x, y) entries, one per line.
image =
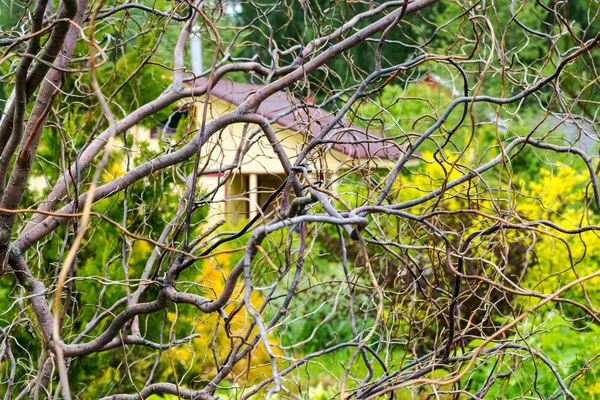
point(261, 159)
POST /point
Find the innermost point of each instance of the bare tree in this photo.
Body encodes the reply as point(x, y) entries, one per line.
point(399, 252)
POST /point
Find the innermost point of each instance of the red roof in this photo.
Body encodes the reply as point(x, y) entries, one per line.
point(301, 117)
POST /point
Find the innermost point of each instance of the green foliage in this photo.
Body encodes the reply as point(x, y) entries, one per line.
point(147, 83)
point(554, 339)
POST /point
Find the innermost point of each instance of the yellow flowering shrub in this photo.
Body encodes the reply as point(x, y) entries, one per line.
point(217, 338)
point(562, 197)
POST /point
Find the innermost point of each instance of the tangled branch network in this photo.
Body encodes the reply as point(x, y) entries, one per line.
point(276, 199)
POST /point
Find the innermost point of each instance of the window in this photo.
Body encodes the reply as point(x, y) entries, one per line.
point(169, 126)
